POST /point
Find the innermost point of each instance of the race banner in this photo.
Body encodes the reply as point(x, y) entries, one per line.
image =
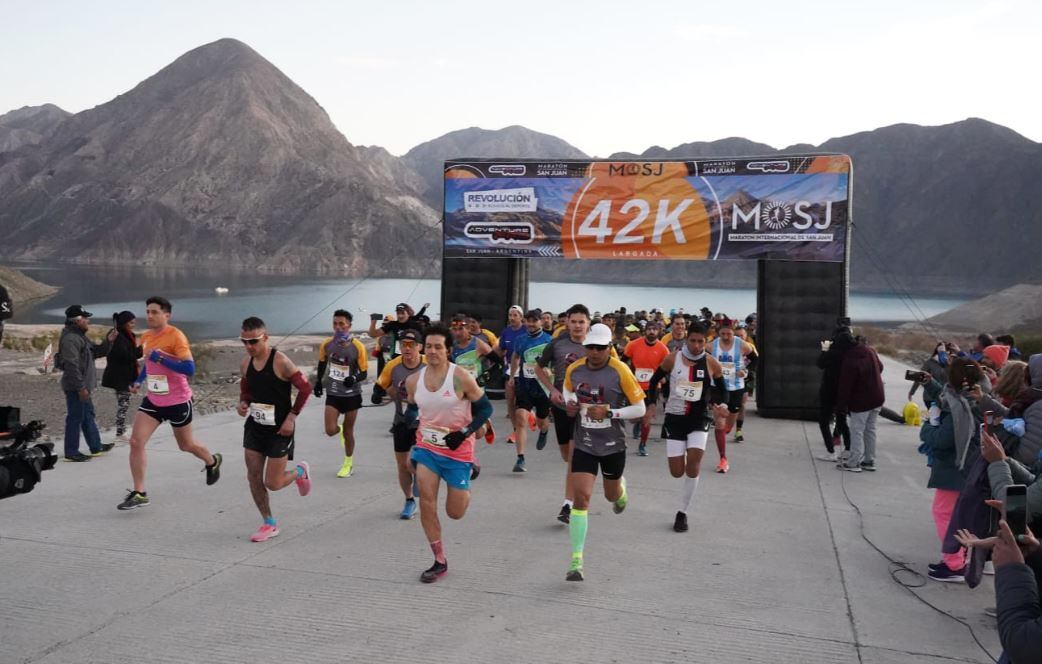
point(776, 208)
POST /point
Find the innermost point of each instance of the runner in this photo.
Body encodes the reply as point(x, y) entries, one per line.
point(695, 382)
point(476, 330)
point(392, 381)
point(741, 331)
point(505, 348)
point(167, 367)
point(450, 407)
point(468, 353)
point(676, 338)
point(342, 366)
point(645, 355)
point(529, 392)
point(732, 353)
point(601, 393)
point(267, 438)
point(548, 321)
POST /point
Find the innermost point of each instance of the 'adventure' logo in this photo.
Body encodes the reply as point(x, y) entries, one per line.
point(520, 232)
point(501, 200)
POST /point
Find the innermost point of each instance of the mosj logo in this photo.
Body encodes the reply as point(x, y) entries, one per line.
point(507, 232)
point(501, 200)
point(776, 215)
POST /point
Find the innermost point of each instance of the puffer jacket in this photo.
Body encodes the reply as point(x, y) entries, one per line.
point(1027, 451)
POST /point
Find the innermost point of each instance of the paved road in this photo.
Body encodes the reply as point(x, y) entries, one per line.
point(773, 569)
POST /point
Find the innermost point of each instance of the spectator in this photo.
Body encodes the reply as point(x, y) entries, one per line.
point(982, 341)
point(950, 443)
point(1008, 340)
point(121, 368)
point(6, 309)
point(1018, 586)
point(79, 378)
point(1012, 381)
point(1024, 416)
point(830, 360)
point(860, 396)
point(993, 358)
point(1003, 471)
point(936, 366)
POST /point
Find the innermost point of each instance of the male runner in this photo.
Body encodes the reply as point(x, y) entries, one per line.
point(548, 321)
point(468, 353)
point(476, 330)
point(741, 331)
point(168, 364)
point(528, 391)
point(676, 338)
point(601, 393)
point(645, 355)
point(734, 357)
point(450, 407)
point(342, 366)
point(695, 382)
point(267, 439)
point(505, 348)
point(562, 352)
point(392, 381)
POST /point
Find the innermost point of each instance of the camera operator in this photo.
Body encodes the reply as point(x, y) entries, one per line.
point(79, 378)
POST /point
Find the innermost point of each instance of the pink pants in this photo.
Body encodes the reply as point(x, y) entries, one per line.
point(943, 506)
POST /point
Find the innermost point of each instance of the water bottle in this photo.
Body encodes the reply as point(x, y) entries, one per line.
point(935, 414)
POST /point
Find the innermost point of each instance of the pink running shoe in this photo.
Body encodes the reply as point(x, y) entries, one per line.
point(304, 481)
point(264, 533)
point(531, 422)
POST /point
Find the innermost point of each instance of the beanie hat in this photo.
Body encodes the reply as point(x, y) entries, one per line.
point(997, 354)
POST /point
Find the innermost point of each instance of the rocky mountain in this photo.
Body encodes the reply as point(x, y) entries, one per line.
point(217, 158)
point(28, 125)
point(427, 159)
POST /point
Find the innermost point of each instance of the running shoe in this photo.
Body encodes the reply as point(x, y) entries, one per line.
point(105, 449)
point(490, 433)
point(869, 466)
point(935, 566)
point(723, 466)
point(347, 468)
point(519, 466)
point(945, 574)
point(738, 437)
point(680, 523)
point(540, 442)
point(642, 450)
point(121, 438)
point(264, 533)
point(575, 571)
point(831, 457)
point(849, 469)
point(133, 501)
point(431, 574)
point(303, 481)
point(475, 470)
point(989, 568)
point(213, 473)
point(565, 515)
point(409, 510)
point(79, 457)
point(620, 503)
point(531, 422)
point(512, 438)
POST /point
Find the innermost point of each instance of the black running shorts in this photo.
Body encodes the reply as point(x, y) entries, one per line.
point(564, 426)
point(179, 415)
point(734, 400)
point(269, 443)
point(533, 403)
point(344, 404)
point(611, 466)
point(677, 427)
point(404, 437)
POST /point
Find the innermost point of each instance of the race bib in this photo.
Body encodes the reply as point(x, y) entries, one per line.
point(728, 368)
point(644, 375)
point(263, 413)
point(529, 370)
point(434, 436)
point(588, 423)
point(157, 384)
point(688, 390)
point(339, 372)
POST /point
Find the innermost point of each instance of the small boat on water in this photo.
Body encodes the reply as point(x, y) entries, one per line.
point(220, 290)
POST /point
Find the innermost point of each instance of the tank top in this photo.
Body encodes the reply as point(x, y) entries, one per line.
point(467, 357)
point(442, 412)
point(731, 361)
point(688, 387)
point(271, 402)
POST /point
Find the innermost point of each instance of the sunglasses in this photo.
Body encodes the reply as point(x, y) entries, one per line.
point(596, 347)
point(251, 342)
point(458, 326)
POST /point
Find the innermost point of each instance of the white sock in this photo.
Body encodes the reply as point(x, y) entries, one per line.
point(568, 504)
point(687, 492)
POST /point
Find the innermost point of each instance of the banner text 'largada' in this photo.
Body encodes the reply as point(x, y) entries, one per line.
point(781, 208)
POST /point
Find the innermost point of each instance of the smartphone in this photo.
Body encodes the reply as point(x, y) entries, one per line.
point(989, 417)
point(913, 376)
point(1015, 508)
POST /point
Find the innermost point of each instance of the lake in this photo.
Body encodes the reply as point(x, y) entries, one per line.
point(304, 304)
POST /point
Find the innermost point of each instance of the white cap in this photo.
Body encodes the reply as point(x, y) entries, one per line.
point(599, 335)
point(517, 308)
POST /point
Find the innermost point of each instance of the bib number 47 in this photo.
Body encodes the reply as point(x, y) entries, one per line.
point(596, 222)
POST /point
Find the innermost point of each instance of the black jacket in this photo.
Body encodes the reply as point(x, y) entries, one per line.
point(1017, 592)
point(122, 368)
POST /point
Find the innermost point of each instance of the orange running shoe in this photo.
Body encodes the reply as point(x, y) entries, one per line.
point(490, 433)
point(512, 438)
point(531, 422)
point(723, 466)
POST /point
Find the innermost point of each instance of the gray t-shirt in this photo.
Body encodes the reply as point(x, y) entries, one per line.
point(613, 385)
point(559, 354)
point(394, 375)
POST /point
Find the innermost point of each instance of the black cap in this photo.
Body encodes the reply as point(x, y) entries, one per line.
point(409, 334)
point(77, 311)
point(401, 305)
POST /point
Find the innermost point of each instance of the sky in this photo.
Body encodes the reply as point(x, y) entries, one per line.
point(604, 76)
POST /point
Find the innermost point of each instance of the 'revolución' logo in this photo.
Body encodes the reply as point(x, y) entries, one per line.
point(501, 200)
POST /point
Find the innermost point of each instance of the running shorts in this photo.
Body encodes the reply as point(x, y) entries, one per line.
point(611, 466)
point(268, 443)
point(533, 403)
point(564, 426)
point(734, 400)
point(344, 404)
point(455, 473)
point(404, 437)
point(179, 415)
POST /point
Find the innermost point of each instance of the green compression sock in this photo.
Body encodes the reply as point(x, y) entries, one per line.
point(577, 529)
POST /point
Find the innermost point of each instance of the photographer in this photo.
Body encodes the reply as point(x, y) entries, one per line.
point(79, 378)
point(1018, 586)
point(830, 361)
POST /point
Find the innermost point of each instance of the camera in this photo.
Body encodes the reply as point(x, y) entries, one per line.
point(22, 459)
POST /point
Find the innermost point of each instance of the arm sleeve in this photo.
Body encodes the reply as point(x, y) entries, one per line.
point(480, 412)
point(411, 415)
point(303, 392)
point(244, 391)
point(185, 367)
point(630, 412)
point(143, 375)
point(321, 371)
